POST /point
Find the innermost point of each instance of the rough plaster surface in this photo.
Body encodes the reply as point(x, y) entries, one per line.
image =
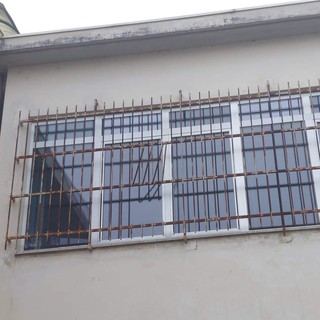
point(264, 276)
point(239, 277)
point(163, 74)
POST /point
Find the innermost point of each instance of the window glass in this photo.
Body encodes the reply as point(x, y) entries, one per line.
point(57, 203)
point(197, 198)
point(133, 200)
point(187, 117)
point(279, 182)
point(132, 123)
point(315, 103)
point(270, 109)
point(64, 130)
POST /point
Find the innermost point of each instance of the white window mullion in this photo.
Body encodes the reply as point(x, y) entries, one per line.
point(98, 164)
point(237, 162)
point(313, 145)
point(167, 197)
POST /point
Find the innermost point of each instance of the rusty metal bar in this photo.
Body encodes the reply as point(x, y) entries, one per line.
point(175, 180)
point(148, 225)
point(266, 168)
point(145, 144)
point(13, 179)
point(22, 181)
point(110, 111)
point(91, 178)
point(203, 151)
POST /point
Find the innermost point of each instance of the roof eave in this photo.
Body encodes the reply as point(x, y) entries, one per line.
point(217, 28)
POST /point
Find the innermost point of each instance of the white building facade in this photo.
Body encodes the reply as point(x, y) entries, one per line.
point(165, 169)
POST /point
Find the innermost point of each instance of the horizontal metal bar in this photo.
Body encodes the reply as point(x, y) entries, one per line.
point(187, 103)
point(184, 139)
point(178, 180)
point(163, 223)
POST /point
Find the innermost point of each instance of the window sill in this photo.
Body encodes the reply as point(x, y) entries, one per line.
point(160, 239)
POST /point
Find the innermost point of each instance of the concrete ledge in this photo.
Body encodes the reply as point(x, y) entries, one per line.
point(162, 35)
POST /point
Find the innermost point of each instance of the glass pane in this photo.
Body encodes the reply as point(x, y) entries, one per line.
point(57, 203)
point(278, 198)
point(132, 123)
point(199, 203)
point(269, 109)
point(65, 130)
point(203, 115)
point(133, 202)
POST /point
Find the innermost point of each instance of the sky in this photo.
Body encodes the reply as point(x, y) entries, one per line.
point(46, 15)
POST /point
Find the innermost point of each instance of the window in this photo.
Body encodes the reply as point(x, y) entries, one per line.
point(167, 171)
point(281, 188)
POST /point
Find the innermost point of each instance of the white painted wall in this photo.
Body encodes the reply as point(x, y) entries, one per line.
point(264, 276)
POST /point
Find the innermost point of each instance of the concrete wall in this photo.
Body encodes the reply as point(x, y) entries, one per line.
point(264, 276)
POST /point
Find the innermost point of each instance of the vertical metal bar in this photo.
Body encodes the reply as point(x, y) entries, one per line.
point(121, 177)
point(233, 157)
point(203, 149)
point(131, 164)
point(40, 215)
point(32, 172)
point(265, 165)
point(91, 174)
point(175, 214)
point(239, 164)
point(54, 149)
point(72, 173)
point(62, 175)
point(192, 169)
point(182, 169)
point(297, 162)
point(205, 173)
point(102, 168)
point(254, 152)
point(33, 150)
point(141, 160)
point(284, 133)
point(22, 180)
point(13, 179)
point(196, 162)
point(314, 144)
point(110, 222)
point(276, 166)
point(213, 163)
point(82, 180)
point(225, 169)
point(215, 167)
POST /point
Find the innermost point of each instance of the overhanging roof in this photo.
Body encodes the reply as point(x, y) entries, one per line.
point(162, 35)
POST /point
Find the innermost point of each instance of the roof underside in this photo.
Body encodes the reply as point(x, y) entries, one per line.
point(162, 35)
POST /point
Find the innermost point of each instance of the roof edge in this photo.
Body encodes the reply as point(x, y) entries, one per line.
point(175, 33)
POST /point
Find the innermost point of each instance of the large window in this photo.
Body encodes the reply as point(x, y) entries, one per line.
point(165, 172)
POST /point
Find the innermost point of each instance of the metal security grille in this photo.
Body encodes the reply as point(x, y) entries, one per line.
point(153, 172)
point(282, 189)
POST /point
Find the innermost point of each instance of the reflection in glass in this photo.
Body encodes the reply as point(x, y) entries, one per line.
point(57, 204)
point(134, 175)
point(200, 116)
point(282, 190)
point(199, 200)
point(270, 109)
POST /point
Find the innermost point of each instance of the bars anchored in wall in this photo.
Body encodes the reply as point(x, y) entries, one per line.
point(205, 166)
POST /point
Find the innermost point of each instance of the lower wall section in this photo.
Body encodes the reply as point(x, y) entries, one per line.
point(258, 276)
